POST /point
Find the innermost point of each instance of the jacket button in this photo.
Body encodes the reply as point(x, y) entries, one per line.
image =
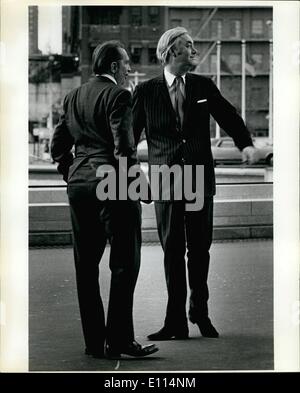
point(183, 141)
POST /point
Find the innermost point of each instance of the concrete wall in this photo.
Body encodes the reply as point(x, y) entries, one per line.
point(241, 212)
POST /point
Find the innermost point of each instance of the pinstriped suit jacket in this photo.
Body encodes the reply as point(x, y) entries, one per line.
point(153, 111)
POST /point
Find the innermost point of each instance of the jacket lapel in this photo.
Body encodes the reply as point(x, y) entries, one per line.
point(162, 91)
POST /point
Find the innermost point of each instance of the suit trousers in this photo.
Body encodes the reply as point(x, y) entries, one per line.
point(94, 222)
point(180, 231)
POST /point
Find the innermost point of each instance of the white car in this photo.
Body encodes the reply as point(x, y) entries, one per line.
point(225, 151)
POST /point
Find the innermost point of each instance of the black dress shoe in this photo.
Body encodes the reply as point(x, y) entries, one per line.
point(206, 328)
point(95, 354)
point(132, 349)
point(167, 334)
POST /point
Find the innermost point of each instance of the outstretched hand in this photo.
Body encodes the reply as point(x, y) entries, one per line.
point(251, 155)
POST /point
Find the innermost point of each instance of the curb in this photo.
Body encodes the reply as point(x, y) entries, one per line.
point(40, 239)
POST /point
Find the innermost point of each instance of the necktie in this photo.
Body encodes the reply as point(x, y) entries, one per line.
point(179, 100)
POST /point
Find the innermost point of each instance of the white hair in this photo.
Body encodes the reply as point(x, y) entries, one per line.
point(166, 42)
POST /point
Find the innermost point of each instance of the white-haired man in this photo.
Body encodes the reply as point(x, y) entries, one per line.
point(174, 109)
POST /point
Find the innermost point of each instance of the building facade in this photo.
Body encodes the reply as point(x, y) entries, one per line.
point(71, 30)
point(229, 26)
point(139, 28)
point(33, 30)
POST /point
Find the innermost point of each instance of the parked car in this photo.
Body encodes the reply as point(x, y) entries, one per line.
point(213, 141)
point(225, 151)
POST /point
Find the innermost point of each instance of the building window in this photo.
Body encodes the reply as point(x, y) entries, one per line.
point(256, 98)
point(153, 15)
point(257, 60)
point(194, 27)
point(136, 16)
point(235, 28)
point(235, 62)
point(152, 59)
point(257, 27)
point(216, 28)
point(213, 64)
point(176, 22)
point(104, 15)
point(136, 54)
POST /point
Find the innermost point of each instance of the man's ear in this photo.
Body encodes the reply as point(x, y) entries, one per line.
point(114, 67)
point(173, 52)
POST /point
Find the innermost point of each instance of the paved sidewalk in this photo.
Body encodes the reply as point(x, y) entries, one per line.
point(241, 304)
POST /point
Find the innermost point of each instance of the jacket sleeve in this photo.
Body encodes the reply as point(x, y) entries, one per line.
point(138, 113)
point(120, 119)
point(227, 117)
point(61, 146)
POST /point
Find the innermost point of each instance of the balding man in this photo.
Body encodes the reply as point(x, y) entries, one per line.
point(174, 109)
point(97, 121)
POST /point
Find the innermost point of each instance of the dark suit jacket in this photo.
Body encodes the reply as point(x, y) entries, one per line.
point(153, 111)
point(97, 119)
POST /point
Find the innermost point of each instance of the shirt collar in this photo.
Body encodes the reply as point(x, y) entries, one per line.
point(170, 77)
point(109, 77)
